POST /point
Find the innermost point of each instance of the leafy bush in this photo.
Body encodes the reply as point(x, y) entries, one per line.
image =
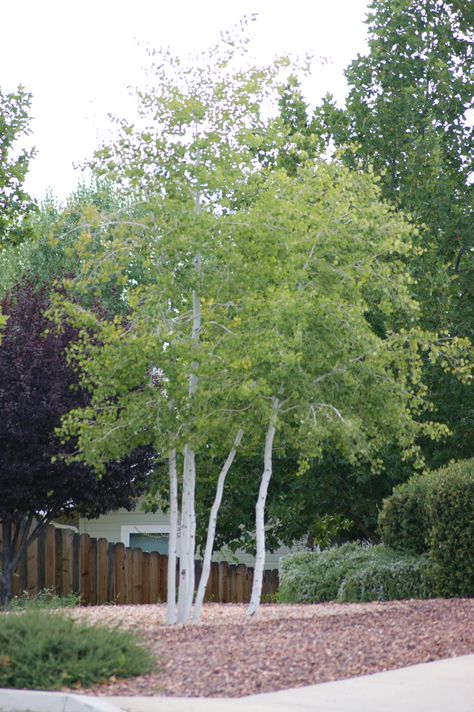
point(403, 519)
point(48, 651)
point(309, 577)
point(46, 598)
point(450, 507)
point(401, 578)
point(354, 572)
point(434, 513)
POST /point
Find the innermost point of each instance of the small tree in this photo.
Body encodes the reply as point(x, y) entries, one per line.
point(269, 303)
point(37, 387)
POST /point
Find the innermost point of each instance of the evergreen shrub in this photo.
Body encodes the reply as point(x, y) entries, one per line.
point(354, 572)
point(434, 513)
point(450, 508)
point(401, 578)
point(403, 520)
point(41, 650)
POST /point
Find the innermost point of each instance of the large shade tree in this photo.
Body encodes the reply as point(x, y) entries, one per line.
point(37, 387)
point(15, 203)
point(408, 114)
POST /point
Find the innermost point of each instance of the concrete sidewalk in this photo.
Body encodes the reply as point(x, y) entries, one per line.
point(441, 686)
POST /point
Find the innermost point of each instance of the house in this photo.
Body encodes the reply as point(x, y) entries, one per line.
point(150, 532)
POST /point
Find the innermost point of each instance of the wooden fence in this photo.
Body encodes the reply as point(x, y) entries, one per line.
point(103, 572)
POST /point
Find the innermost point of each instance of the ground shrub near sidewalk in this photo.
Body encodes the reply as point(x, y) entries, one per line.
point(48, 651)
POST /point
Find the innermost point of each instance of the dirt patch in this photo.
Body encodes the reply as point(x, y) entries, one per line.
point(288, 646)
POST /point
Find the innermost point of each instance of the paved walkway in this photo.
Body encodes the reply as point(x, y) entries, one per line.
point(442, 686)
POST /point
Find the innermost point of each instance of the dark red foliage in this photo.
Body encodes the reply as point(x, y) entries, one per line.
point(36, 389)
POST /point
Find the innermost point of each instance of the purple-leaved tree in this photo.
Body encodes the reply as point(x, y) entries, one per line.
point(37, 387)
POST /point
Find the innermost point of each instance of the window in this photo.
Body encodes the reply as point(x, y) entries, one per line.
point(149, 537)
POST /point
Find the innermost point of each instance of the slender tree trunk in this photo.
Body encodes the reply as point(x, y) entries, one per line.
point(173, 538)
point(189, 590)
point(185, 539)
point(6, 571)
point(14, 548)
point(188, 515)
point(211, 529)
point(260, 514)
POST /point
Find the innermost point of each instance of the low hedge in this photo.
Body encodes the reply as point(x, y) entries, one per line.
point(402, 578)
point(354, 572)
point(434, 513)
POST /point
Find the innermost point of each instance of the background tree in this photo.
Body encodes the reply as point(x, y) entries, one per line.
point(37, 387)
point(15, 203)
point(407, 116)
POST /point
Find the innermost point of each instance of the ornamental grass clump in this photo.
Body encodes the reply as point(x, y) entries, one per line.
point(48, 651)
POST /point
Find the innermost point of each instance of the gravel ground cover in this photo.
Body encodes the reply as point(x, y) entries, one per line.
point(287, 646)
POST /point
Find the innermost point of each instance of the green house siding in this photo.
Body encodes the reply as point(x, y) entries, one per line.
point(137, 526)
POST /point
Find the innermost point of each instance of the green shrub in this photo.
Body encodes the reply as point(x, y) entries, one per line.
point(309, 577)
point(434, 513)
point(403, 519)
point(46, 598)
point(399, 579)
point(48, 651)
point(354, 572)
point(450, 507)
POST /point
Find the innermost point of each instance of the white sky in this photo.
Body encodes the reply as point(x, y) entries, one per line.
point(78, 57)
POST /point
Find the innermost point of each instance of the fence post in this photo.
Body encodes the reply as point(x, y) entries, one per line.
point(102, 570)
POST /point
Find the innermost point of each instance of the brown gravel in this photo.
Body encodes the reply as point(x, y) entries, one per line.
point(288, 646)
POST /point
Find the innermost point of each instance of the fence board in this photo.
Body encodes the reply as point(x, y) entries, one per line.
point(137, 576)
point(154, 576)
point(240, 583)
point(50, 558)
point(111, 594)
point(67, 562)
point(85, 569)
point(119, 573)
point(146, 578)
point(102, 571)
point(32, 568)
point(163, 578)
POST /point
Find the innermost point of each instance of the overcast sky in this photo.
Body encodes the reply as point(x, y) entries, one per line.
point(77, 59)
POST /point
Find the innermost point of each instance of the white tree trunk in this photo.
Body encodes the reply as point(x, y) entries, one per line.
point(260, 514)
point(188, 515)
point(186, 550)
point(173, 538)
point(211, 529)
point(189, 594)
